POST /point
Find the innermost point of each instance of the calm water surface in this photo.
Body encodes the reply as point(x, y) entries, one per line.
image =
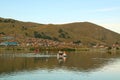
point(76, 66)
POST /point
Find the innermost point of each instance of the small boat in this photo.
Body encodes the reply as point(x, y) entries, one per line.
point(61, 54)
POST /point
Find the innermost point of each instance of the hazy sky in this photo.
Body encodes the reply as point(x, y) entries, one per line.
point(103, 12)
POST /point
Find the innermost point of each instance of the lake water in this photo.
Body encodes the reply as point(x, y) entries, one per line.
point(76, 66)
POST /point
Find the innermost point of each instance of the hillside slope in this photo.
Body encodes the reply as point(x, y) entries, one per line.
point(85, 32)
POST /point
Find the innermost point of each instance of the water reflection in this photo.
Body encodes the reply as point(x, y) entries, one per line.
point(76, 61)
point(62, 61)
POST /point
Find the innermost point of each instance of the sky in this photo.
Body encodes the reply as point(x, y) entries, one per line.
point(105, 13)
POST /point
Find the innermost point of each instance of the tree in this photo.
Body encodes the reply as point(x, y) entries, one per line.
point(60, 30)
point(62, 35)
point(2, 33)
point(55, 39)
point(37, 35)
point(24, 28)
point(77, 42)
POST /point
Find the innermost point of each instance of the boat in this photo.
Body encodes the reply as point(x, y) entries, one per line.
point(61, 54)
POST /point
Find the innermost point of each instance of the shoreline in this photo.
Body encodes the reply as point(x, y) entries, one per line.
point(32, 49)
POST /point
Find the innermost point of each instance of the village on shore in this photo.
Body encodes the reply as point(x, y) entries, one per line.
point(20, 43)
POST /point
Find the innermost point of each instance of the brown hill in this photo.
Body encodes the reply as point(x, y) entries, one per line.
point(85, 32)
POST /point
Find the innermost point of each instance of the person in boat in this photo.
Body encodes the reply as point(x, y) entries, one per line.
point(59, 55)
point(64, 54)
